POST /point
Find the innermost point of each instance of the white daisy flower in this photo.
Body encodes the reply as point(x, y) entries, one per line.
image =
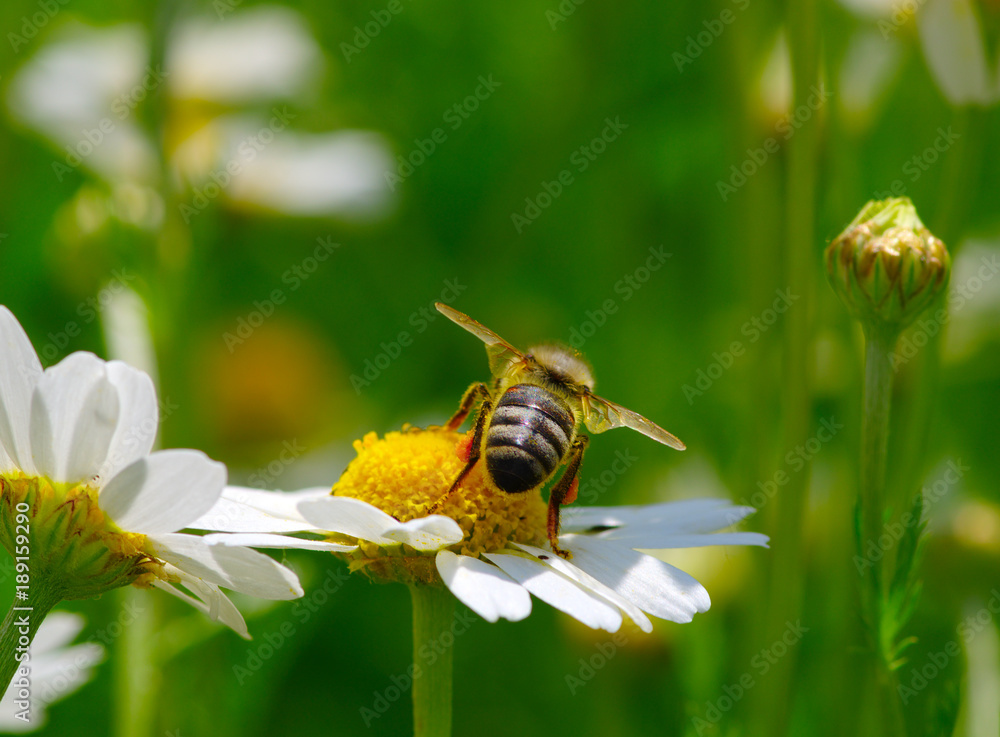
point(57, 670)
point(104, 511)
point(489, 548)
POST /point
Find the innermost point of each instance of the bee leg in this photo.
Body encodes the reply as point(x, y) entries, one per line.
point(561, 490)
point(474, 393)
point(474, 449)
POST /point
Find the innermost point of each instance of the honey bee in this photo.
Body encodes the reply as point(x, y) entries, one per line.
point(529, 415)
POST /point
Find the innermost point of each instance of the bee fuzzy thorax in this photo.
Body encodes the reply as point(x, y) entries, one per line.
point(563, 364)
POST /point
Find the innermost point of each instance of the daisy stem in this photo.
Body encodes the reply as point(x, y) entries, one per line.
point(135, 672)
point(19, 628)
point(879, 343)
point(433, 612)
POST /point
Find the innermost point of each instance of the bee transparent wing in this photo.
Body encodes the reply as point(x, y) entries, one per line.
point(499, 351)
point(599, 415)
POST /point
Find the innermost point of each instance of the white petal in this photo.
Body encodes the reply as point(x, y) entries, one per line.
point(232, 514)
point(689, 515)
point(242, 509)
point(278, 503)
point(7, 464)
point(952, 40)
point(485, 589)
point(210, 600)
point(658, 540)
point(591, 584)
point(654, 586)
point(349, 517)
point(138, 418)
point(74, 413)
point(426, 533)
point(359, 519)
point(20, 371)
point(239, 569)
point(163, 492)
point(559, 591)
point(263, 540)
point(579, 518)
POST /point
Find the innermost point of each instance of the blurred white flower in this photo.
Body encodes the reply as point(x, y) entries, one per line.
point(57, 670)
point(261, 54)
point(311, 175)
point(974, 301)
point(952, 39)
point(75, 91)
point(82, 89)
point(873, 8)
point(871, 64)
point(775, 81)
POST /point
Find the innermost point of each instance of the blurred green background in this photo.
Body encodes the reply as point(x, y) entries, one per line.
point(270, 296)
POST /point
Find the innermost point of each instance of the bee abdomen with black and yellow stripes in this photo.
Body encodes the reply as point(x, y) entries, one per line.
point(530, 433)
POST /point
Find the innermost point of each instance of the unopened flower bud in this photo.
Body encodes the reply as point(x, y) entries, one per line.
point(886, 266)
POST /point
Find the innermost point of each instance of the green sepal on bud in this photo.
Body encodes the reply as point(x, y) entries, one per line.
point(886, 266)
point(61, 540)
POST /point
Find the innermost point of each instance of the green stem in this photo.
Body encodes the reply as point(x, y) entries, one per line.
point(877, 402)
point(21, 625)
point(799, 260)
point(879, 343)
point(433, 611)
point(136, 672)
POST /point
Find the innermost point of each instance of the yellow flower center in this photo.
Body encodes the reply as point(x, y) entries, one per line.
point(64, 539)
point(407, 474)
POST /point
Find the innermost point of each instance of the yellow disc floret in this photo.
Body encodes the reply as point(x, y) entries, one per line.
point(58, 534)
point(407, 474)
